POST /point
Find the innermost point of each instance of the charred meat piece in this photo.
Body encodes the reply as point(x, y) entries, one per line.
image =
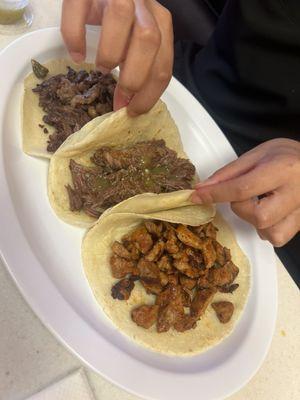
point(122, 289)
point(210, 230)
point(222, 253)
point(148, 269)
point(187, 282)
point(172, 244)
point(121, 251)
point(186, 236)
point(201, 301)
point(145, 316)
point(195, 258)
point(228, 288)
point(65, 100)
point(120, 267)
point(224, 310)
point(164, 264)
point(184, 323)
point(156, 251)
point(203, 282)
point(209, 253)
point(170, 308)
point(186, 297)
point(183, 265)
point(142, 239)
point(134, 252)
point(182, 270)
point(224, 275)
point(173, 278)
point(154, 228)
point(152, 286)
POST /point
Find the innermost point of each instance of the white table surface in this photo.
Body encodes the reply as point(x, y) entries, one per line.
point(31, 358)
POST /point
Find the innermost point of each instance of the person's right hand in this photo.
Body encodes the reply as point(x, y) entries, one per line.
point(137, 36)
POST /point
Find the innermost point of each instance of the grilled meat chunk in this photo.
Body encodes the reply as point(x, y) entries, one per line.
point(224, 310)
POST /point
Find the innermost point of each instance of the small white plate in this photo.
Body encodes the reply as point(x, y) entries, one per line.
point(43, 254)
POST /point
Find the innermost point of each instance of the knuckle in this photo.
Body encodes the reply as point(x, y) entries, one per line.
point(242, 191)
point(277, 238)
point(164, 77)
point(122, 7)
point(262, 219)
point(149, 35)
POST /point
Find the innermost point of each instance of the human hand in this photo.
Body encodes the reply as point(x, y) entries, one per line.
point(270, 171)
point(137, 36)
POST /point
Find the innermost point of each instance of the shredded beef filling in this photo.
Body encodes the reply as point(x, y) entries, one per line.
point(71, 100)
point(118, 174)
point(182, 266)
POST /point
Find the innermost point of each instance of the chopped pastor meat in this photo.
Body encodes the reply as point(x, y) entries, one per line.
point(185, 323)
point(224, 310)
point(228, 288)
point(134, 252)
point(180, 268)
point(186, 236)
point(148, 269)
point(121, 251)
point(152, 286)
point(201, 301)
point(156, 251)
point(154, 228)
point(209, 253)
point(195, 258)
point(222, 253)
point(142, 239)
point(170, 308)
point(173, 278)
point(145, 315)
point(210, 230)
point(164, 264)
point(71, 100)
point(224, 275)
point(182, 264)
point(122, 289)
point(187, 282)
point(120, 267)
point(186, 297)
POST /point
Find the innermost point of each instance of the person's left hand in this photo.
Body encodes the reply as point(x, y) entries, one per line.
point(263, 187)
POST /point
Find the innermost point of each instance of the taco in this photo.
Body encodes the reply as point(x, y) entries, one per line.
point(99, 167)
point(174, 281)
point(60, 97)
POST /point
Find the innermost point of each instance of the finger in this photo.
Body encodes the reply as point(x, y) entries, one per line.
point(143, 47)
point(117, 22)
point(269, 210)
point(73, 19)
point(161, 72)
point(257, 181)
point(283, 231)
point(238, 167)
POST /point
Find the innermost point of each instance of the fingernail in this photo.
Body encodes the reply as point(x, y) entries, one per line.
point(195, 198)
point(103, 70)
point(121, 99)
point(77, 57)
point(207, 182)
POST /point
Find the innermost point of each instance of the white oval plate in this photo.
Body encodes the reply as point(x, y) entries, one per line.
point(43, 254)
